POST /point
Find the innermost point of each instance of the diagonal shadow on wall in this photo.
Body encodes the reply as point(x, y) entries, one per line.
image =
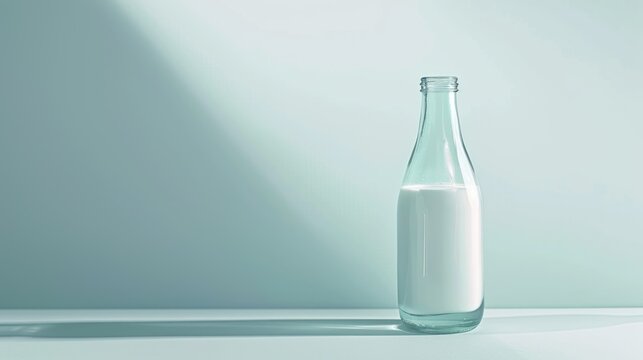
point(118, 191)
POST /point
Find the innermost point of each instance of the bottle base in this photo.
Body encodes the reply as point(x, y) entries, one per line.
point(449, 323)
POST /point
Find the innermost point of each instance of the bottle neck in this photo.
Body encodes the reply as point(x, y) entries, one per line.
point(439, 116)
point(439, 156)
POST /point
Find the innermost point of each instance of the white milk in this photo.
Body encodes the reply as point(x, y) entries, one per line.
point(439, 249)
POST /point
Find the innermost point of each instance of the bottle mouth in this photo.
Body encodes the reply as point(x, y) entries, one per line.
point(439, 83)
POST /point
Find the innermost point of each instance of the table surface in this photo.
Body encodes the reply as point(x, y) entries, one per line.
point(606, 333)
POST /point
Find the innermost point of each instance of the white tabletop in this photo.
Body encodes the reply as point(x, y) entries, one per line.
point(315, 334)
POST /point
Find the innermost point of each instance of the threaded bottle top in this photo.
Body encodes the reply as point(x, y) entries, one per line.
point(439, 83)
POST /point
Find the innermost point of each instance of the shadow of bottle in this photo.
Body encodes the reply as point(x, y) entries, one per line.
point(245, 328)
point(301, 327)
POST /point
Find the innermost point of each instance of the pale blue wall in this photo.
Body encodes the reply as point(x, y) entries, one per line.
point(248, 154)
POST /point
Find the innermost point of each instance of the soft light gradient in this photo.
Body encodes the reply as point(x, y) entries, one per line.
point(249, 154)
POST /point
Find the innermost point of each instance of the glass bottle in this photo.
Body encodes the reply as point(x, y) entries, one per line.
point(439, 234)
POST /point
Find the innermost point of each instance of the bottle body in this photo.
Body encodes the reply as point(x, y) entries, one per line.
point(440, 285)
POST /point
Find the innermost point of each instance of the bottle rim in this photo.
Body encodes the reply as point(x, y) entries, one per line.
point(439, 83)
